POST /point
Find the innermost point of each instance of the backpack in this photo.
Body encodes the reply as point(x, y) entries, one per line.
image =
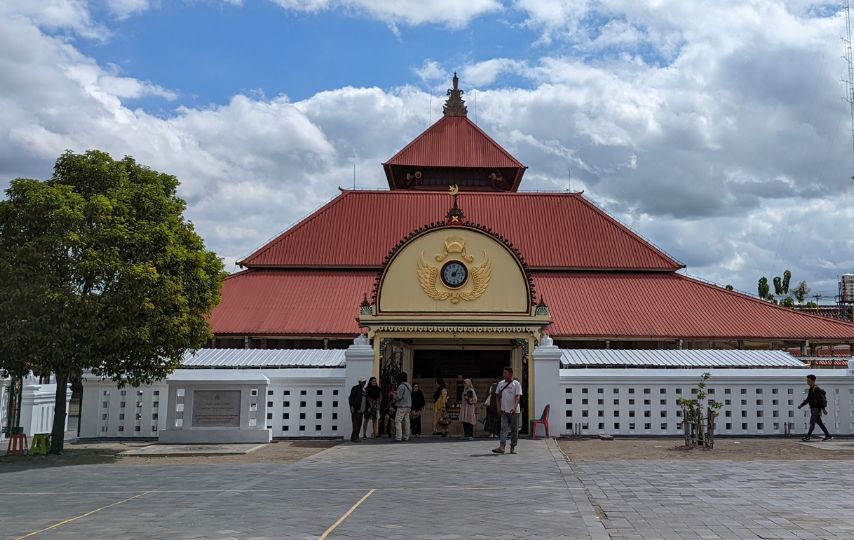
point(822, 398)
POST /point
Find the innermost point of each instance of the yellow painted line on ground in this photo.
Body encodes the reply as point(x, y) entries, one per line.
point(334, 526)
point(280, 490)
point(9, 493)
point(75, 518)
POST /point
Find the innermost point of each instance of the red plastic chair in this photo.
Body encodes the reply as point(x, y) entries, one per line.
point(544, 420)
point(17, 445)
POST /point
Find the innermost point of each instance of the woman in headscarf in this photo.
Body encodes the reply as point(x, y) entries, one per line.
point(440, 414)
point(372, 412)
point(468, 416)
point(440, 384)
point(418, 404)
point(492, 424)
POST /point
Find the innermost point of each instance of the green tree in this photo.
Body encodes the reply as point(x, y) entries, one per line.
point(787, 279)
point(801, 291)
point(763, 290)
point(99, 271)
point(787, 302)
point(778, 286)
point(729, 287)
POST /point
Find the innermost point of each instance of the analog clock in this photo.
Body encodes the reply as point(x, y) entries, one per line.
point(454, 274)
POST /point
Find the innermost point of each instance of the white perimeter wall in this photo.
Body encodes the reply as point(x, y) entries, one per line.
point(302, 402)
point(644, 401)
point(312, 402)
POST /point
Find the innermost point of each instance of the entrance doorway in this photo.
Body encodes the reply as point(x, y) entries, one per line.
point(452, 366)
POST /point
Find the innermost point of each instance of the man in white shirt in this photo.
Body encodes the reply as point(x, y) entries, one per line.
point(508, 392)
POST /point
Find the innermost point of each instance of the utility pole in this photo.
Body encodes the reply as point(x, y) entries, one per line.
point(848, 56)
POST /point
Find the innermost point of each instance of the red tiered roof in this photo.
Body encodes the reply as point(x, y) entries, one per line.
point(599, 279)
point(601, 305)
point(552, 230)
point(454, 141)
point(292, 302)
point(670, 306)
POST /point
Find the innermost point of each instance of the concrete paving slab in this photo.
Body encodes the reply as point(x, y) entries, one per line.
point(835, 445)
point(157, 450)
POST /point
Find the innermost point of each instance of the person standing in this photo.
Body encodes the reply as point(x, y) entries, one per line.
point(358, 404)
point(390, 411)
point(440, 413)
point(440, 385)
point(468, 406)
point(403, 402)
point(817, 400)
point(492, 424)
point(372, 411)
point(418, 403)
point(508, 393)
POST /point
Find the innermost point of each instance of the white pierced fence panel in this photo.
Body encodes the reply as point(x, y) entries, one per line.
point(306, 403)
point(645, 402)
point(130, 412)
point(298, 408)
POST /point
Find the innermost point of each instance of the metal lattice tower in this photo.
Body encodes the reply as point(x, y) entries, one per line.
point(848, 56)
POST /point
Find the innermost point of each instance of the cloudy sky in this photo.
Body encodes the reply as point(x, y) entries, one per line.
point(716, 129)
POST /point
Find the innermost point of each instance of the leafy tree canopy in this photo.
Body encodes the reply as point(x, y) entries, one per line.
point(99, 271)
point(763, 288)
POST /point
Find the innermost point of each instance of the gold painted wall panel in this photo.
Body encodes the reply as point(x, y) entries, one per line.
point(495, 282)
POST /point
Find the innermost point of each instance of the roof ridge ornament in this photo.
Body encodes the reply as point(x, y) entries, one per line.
point(455, 215)
point(455, 105)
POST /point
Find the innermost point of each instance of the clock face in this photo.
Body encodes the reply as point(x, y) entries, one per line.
point(454, 274)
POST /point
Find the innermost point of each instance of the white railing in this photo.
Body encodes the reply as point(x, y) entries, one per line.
point(644, 401)
point(303, 402)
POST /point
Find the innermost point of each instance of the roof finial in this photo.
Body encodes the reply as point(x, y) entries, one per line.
point(454, 105)
point(455, 214)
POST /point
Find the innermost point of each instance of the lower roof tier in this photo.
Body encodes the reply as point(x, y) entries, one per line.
point(594, 305)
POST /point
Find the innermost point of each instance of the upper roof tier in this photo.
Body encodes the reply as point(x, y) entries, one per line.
point(454, 151)
point(554, 231)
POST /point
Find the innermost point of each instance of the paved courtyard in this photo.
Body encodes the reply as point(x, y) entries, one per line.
point(444, 489)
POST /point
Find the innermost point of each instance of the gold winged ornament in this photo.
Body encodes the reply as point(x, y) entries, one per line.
point(479, 276)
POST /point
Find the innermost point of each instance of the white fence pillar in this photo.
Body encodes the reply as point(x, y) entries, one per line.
point(37, 407)
point(546, 359)
point(359, 360)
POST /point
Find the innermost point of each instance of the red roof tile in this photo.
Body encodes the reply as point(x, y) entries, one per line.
point(293, 303)
point(583, 305)
point(551, 230)
point(635, 305)
point(454, 141)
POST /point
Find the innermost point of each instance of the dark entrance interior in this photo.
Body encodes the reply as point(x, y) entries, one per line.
point(483, 367)
point(448, 364)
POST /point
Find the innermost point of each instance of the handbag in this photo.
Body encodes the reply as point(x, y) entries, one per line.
point(444, 420)
point(415, 414)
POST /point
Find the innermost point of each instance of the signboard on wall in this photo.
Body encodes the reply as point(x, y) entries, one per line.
point(216, 408)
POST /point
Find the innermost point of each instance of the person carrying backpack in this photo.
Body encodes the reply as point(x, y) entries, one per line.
point(817, 400)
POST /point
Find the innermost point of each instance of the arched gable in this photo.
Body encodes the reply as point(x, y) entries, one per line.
point(454, 269)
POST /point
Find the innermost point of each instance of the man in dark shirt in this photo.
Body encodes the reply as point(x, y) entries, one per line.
point(358, 404)
point(817, 400)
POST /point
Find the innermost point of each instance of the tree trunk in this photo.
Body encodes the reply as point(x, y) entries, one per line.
point(57, 434)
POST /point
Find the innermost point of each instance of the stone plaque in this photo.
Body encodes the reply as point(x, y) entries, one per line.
point(216, 408)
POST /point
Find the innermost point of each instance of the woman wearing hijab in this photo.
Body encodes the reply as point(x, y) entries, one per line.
point(468, 416)
point(440, 384)
point(418, 404)
point(372, 411)
point(492, 424)
point(440, 414)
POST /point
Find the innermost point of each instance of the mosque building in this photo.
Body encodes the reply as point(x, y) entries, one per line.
point(452, 273)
